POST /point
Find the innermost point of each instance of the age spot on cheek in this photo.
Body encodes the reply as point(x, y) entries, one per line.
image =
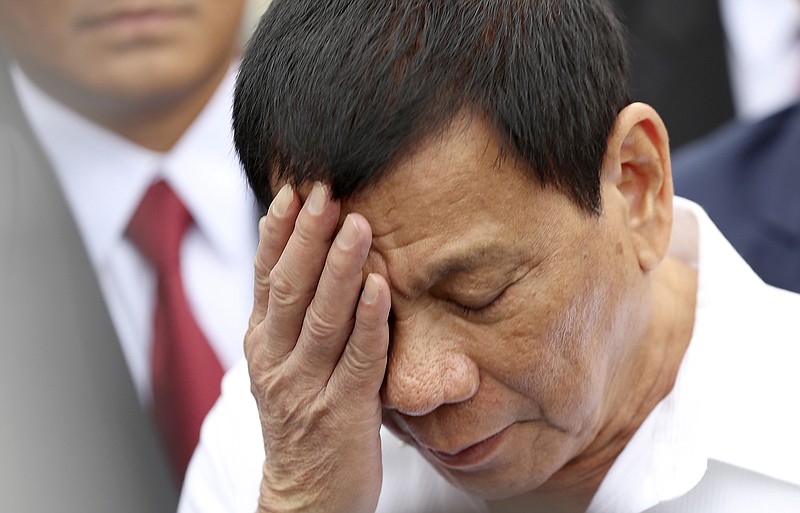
point(619, 248)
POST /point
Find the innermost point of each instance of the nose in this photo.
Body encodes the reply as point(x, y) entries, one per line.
point(424, 373)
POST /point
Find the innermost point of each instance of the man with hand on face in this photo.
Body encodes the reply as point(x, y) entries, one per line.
point(473, 241)
point(114, 132)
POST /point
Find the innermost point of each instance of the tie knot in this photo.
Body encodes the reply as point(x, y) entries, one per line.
point(158, 225)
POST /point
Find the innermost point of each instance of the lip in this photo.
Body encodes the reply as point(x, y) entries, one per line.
point(134, 19)
point(475, 455)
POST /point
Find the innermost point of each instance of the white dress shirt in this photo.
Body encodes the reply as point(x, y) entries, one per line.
point(763, 54)
point(104, 177)
point(724, 440)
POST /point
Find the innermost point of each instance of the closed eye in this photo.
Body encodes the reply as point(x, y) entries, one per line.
point(470, 308)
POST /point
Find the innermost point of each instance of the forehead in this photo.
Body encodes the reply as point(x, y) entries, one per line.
point(456, 195)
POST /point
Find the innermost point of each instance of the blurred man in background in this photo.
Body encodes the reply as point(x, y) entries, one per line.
point(126, 225)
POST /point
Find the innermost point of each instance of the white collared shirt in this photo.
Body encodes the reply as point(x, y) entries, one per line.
point(724, 439)
point(763, 39)
point(104, 177)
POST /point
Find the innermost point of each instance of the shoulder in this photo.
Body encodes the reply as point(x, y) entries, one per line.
point(21, 151)
point(738, 152)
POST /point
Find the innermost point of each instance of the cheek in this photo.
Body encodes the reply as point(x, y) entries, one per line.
point(30, 28)
point(225, 12)
point(558, 358)
point(33, 32)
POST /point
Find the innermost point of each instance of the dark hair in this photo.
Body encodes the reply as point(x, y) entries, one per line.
point(338, 90)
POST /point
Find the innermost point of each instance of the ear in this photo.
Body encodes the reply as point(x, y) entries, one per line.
point(637, 165)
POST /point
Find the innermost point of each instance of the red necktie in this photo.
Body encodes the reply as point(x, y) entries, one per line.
point(186, 373)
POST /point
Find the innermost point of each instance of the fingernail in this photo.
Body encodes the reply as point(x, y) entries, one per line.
point(371, 289)
point(348, 235)
point(282, 201)
point(317, 199)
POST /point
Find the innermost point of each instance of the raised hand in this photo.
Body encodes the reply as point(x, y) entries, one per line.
point(316, 349)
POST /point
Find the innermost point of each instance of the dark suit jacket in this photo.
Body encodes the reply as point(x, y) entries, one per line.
point(747, 177)
point(73, 437)
point(678, 63)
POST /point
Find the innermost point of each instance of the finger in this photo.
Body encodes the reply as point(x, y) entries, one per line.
point(362, 366)
point(294, 278)
point(275, 228)
point(329, 319)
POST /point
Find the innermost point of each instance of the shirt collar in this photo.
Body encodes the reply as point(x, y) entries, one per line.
point(89, 161)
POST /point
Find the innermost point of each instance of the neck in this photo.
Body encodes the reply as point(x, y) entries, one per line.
point(648, 378)
point(541, 503)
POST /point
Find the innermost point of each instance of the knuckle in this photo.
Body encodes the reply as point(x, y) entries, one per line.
point(369, 321)
point(260, 266)
point(319, 324)
point(306, 230)
point(282, 292)
point(261, 286)
point(275, 233)
point(342, 267)
point(361, 361)
point(256, 351)
point(251, 344)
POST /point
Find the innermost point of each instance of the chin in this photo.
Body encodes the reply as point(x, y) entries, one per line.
point(509, 474)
